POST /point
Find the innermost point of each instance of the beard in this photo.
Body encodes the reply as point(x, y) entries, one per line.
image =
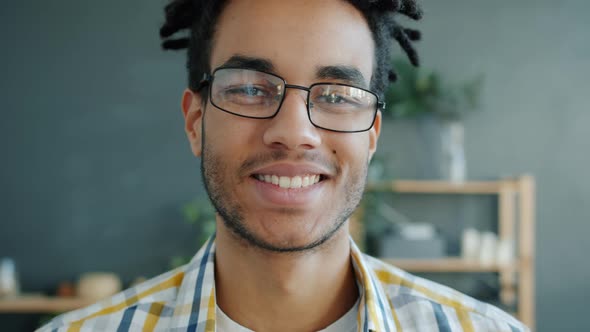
point(215, 174)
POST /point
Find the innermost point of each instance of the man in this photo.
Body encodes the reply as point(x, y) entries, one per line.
point(284, 110)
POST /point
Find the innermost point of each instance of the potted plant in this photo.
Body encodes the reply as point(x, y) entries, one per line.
point(424, 95)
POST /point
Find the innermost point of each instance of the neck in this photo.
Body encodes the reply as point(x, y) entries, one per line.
point(267, 291)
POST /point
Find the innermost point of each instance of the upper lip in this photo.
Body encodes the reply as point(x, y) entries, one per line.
point(291, 170)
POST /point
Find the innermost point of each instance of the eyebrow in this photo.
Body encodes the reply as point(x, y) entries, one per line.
point(242, 61)
point(343, 73)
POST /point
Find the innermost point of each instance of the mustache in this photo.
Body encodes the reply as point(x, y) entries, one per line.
point(263, 159)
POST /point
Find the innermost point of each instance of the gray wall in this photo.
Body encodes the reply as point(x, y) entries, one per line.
point(95, 166)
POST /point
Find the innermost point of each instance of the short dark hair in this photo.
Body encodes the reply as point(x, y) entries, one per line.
point(199, 18)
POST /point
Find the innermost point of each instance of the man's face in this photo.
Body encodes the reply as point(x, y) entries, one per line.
point(297, 39)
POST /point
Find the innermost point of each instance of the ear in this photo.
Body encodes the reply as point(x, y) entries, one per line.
point(192, 110)
point(374, 135)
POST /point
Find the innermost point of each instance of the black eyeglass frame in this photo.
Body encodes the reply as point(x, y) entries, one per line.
point(208, 80)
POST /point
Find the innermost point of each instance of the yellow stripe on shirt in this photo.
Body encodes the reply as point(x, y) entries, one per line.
point(153, 317)
point(461, 309)
point(210, 325)
point(174, 281)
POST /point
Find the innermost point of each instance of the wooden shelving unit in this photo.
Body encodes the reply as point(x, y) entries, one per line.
point(450, 264)
point(41, 304)
point(516, 214)
point(439, 187)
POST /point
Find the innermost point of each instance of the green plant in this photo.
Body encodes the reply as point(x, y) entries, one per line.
point(201, 214)
point(419, 92)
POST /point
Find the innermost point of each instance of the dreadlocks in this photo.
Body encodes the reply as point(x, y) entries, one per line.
point(199, 17)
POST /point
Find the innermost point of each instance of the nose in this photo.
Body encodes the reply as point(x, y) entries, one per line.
point(291, 128)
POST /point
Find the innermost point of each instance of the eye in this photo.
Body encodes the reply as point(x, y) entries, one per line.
point(246, 94)
point(335, 99)
point(246, 91)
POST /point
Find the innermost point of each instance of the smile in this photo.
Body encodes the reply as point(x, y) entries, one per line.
point(287, 182)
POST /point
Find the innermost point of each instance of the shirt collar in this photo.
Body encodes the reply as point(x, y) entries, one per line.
point(375, 312)
point(195, 304)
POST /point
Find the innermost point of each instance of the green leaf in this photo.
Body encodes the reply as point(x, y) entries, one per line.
point(419, 91)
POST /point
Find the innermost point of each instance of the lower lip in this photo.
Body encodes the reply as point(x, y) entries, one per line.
point(276, 195)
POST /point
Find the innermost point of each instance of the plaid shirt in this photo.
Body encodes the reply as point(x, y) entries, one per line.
point(184, 300)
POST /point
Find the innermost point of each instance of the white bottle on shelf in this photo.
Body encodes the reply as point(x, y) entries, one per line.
point(489, 247)
point(470, 244)
point(9, 286)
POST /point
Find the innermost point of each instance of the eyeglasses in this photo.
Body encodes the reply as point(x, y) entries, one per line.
point(259, 95)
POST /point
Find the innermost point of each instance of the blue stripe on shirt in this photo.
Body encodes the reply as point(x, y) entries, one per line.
point(196, 306)
point(441, 318)
point(366, 327)
point(125, 324)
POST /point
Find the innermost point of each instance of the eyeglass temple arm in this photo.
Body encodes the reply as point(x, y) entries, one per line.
point(204, 82)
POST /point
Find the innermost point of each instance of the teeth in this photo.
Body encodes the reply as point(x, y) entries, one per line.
point(284, 182)
point(290, 182)
point(296, 182)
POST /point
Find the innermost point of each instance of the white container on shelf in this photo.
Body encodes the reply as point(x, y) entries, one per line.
point(98, 285)
point(505, 252)
point(470, 244)
point(488, 249)
point(9, 285)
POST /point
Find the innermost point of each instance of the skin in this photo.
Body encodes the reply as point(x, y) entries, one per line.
point(308, 288)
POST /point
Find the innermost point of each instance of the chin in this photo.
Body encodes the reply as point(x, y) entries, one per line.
point(292, 237)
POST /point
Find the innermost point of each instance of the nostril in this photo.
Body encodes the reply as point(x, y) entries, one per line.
point(278, 145)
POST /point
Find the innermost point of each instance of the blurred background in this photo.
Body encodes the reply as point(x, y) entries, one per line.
point(96, 173)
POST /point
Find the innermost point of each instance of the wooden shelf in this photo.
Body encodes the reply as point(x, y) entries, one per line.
point(441, 187)
point(41, 304)
point(450, 264)
point(516, 222)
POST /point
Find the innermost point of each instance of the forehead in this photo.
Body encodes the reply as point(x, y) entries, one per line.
point(296, 36)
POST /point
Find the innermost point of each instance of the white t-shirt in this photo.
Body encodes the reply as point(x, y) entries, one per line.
point(346, 323)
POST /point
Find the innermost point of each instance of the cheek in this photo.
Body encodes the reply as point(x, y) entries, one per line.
point(228, 132)
point(351, 151)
